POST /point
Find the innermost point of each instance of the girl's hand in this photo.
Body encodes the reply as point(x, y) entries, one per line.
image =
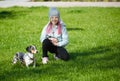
point(54, 41)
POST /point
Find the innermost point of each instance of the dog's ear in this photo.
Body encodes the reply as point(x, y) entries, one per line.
point(28, 49)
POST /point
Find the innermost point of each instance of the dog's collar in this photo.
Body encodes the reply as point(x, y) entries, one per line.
point(30, 57)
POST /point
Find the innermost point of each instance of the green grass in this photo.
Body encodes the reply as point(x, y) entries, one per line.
point(94, 44)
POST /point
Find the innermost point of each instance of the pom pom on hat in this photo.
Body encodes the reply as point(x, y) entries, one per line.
point(53, 12)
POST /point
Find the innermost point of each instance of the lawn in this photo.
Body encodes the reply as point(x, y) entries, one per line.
point(94, 44)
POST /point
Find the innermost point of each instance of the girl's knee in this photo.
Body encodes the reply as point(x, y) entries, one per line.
point(65, 57)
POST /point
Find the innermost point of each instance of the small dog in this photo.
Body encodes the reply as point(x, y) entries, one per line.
point(27, 58)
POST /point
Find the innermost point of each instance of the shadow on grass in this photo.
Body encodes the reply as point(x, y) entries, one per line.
point(5, 14)
point(108, 59)
point(103, 57)
point(76, 29)
point(18, 73)
point(74, 11)
point(43, 72)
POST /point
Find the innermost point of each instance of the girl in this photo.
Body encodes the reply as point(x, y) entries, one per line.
point(54, 37)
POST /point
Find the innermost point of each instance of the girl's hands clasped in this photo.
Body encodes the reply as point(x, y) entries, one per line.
point(54, 41)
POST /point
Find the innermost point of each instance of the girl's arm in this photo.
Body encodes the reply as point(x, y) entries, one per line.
point(64, 41)
point(43, 35)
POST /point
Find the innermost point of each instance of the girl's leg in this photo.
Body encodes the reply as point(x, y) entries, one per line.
point(48, 46)
point(59, 51)
point(62, 53)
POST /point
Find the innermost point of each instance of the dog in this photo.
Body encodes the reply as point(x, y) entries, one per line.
point(26, 58)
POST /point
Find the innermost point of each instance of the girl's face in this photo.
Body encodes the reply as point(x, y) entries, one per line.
point(54, 20)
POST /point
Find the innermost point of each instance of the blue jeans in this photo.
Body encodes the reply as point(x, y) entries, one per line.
point(60, 52)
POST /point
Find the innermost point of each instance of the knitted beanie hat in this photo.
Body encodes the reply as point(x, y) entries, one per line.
point(53, 12)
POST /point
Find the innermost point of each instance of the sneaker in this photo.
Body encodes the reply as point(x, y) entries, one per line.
point(44, 60)
point(56, 57)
